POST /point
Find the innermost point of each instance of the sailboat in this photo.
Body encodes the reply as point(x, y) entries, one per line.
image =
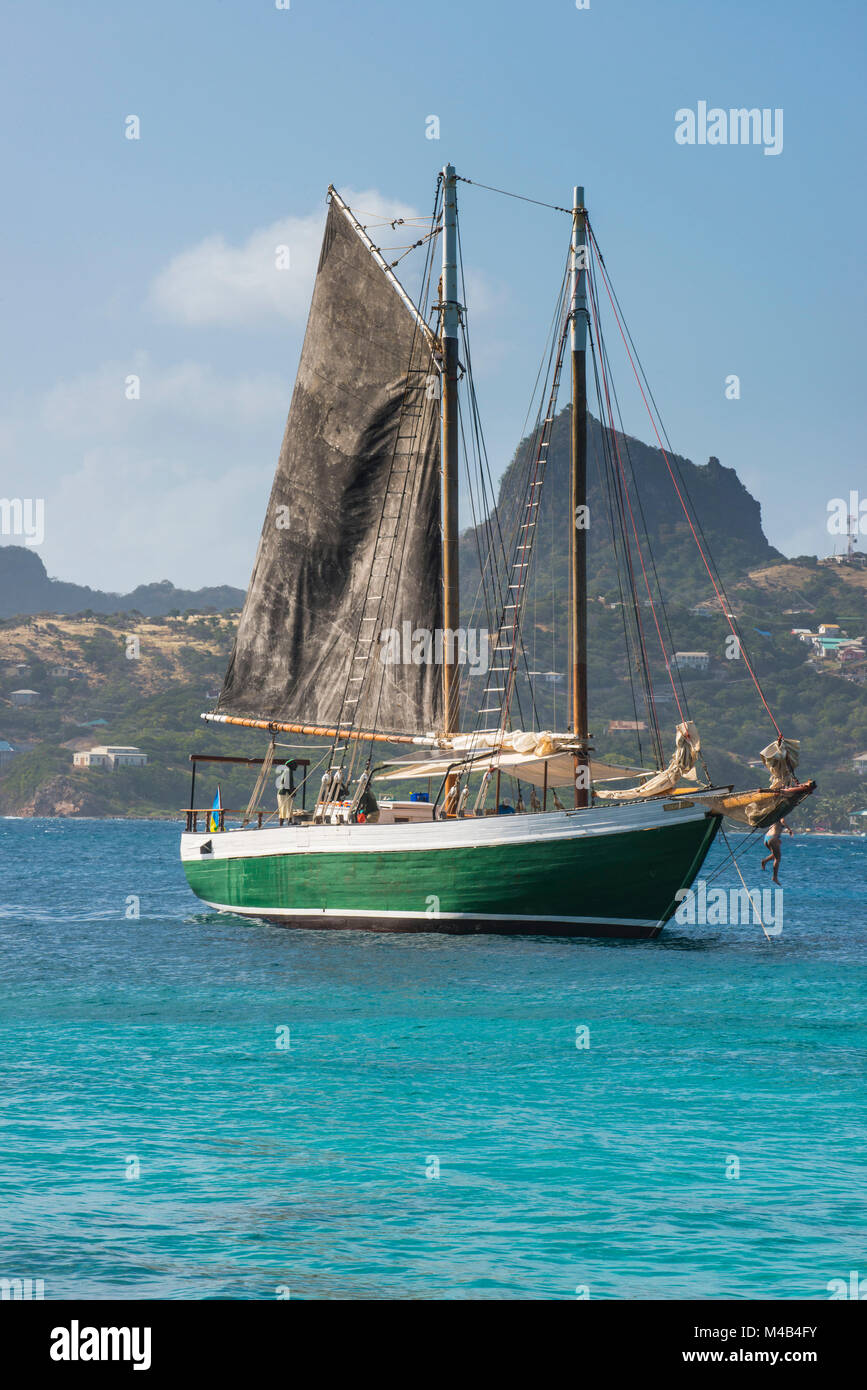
point(351, 633)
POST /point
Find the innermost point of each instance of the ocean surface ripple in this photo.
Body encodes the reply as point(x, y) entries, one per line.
point(159, 1143)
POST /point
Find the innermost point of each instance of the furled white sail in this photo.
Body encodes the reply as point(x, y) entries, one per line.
point(781, 758)
point(682, 767)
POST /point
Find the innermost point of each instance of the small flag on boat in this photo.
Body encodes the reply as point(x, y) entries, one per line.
point(214, 817)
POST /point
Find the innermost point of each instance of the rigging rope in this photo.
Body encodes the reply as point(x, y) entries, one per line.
point(722, 601)
point(390, 580)
point(260, 782)
point(609, 439)
point(491, 510)
point(624, 440)
point(524, 465)
point(748, 893)
point(632, 515)
point(520, 196)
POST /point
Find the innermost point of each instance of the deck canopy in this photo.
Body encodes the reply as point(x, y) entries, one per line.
point(555, 770)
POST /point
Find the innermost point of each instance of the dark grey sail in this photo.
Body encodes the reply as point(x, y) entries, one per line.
point(359, 462)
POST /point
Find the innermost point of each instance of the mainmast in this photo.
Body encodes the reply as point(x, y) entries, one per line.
point(578, 528)
point(449, 311)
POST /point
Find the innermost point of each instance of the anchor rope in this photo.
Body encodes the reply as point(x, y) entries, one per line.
point(747, 891)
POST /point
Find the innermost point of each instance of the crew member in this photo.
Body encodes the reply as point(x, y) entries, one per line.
point(773, 842)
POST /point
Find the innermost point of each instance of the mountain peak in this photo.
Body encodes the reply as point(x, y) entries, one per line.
point(25, 588)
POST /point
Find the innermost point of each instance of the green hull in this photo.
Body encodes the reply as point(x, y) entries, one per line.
point(618, 884)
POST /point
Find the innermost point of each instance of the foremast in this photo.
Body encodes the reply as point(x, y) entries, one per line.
point(449, 321)
point(578, 509)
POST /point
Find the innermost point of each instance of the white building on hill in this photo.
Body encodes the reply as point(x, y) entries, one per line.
point(111, 756)
point(692, 661)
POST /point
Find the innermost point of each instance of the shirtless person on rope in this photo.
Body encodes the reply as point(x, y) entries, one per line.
point(772, 841)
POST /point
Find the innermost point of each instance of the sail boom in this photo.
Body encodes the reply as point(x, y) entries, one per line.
point(321, 731)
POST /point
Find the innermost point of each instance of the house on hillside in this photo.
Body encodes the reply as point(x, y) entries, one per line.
point(859, 764)
point(110, 756)
point(20, 698)
point(7, 752)
point(126, 757)
point(692, 661)
point(826, 646)
point(626, 726)
point(89, 757)
point(837, 647)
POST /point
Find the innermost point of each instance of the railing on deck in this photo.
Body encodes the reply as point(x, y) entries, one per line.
point(192, 812)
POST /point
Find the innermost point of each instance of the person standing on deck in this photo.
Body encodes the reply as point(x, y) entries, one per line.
point(285, 792)
point(772, 841)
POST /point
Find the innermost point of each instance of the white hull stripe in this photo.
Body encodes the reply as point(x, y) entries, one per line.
point(341, 912)
point(435, 835)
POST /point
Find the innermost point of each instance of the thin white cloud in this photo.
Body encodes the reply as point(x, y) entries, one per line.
point(171, 485)
point(175, 483)
point(215, 282)
point(190, 394)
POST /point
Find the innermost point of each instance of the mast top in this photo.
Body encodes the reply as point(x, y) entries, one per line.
point(578, 329)
point(450, 305)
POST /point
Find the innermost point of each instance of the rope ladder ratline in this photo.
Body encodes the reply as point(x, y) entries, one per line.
point(536, 446)
point(386, 546)
point(496, 548)
point(531, 515)
point(411, 462)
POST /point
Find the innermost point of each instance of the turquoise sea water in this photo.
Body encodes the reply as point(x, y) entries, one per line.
point(261, 1168)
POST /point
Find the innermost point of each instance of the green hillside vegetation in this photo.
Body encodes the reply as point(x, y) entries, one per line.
point(83, 670)
point(828, 713)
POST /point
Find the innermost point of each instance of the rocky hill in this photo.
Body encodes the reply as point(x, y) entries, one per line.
point(26, 588)
point(730, 517)
point(128, 678)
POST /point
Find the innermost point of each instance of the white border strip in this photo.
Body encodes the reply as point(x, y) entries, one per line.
point(421, 916)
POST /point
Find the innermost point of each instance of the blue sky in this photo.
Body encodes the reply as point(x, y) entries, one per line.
point(153, 257)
